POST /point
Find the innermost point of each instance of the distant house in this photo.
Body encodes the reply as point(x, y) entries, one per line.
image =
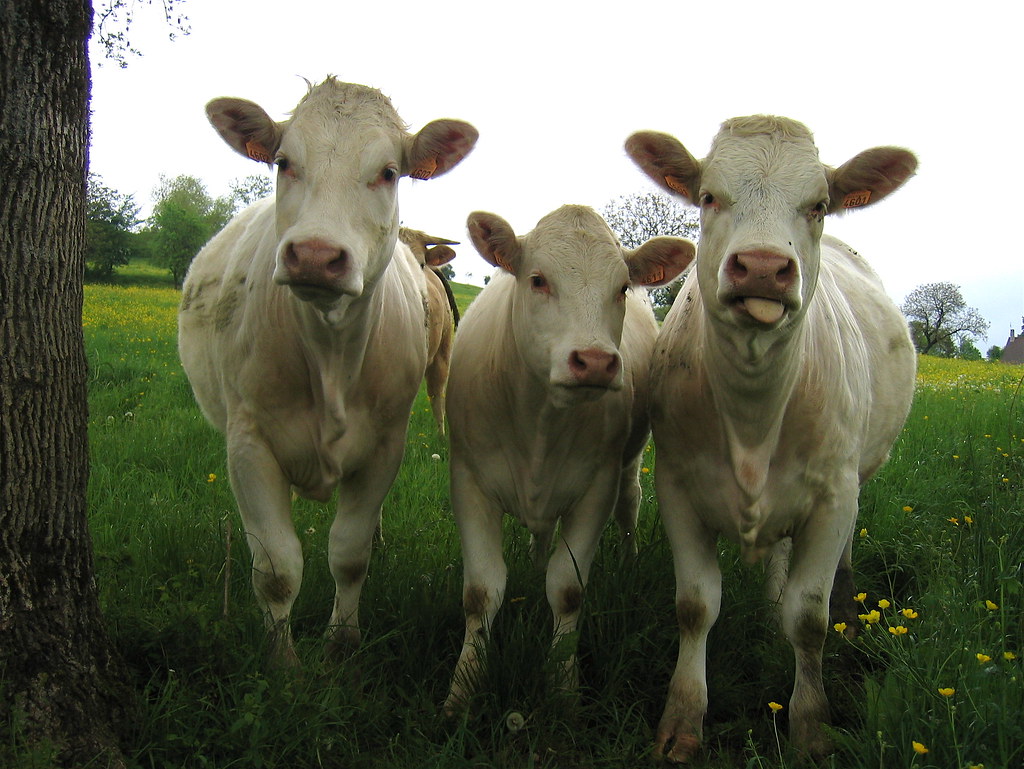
point(1014, 350)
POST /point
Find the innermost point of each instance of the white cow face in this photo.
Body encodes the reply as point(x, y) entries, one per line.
point(569, 301)
point(339, 159)
point(764, 195)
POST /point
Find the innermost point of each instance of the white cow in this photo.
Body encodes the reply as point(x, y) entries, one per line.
point(302, 331)
point(433, 252)
point(547, 407)
point(780, 380)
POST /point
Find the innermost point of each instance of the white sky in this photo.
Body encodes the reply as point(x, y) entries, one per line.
point(556, 87)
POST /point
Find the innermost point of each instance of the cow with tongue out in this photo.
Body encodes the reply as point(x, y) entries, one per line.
point(781, 378)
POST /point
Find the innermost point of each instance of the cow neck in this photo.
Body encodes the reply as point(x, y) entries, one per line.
point(752, 376)
point(334, 345)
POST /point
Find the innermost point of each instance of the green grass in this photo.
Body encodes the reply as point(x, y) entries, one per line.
point(173, 575)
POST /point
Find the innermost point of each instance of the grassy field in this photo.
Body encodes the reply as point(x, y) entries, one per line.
point(939, 558)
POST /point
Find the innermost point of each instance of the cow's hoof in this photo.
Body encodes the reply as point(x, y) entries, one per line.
point(676, 749)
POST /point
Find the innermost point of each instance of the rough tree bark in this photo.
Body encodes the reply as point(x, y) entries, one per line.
point(61, 686)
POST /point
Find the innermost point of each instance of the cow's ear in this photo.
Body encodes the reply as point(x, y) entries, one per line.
point(438, 148)
point(439, 255)
point(869, 177)
point(246, 128)
point(659, 260)
point(667, 162)
point(495, 239)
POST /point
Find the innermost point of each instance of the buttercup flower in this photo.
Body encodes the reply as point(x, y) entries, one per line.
point(860, 597)
point(775, 707)
point(1009, 656)
point(898, 630)
point(863, 532)
point(947, 691)
point(908, 509)
point(909, 613)
point(983, 658)
point(211, 478)
point(871, 617)
point(991, 605)
point(840, 627)
point(919, 748)
point(884, 604)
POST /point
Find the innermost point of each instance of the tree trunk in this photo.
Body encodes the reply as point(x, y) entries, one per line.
point(62, 689)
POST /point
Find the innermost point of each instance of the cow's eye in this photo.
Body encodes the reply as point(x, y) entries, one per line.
point(284, 166)
point(820, 209)
point(539, 283)
point(707, 199)
point(389, 175)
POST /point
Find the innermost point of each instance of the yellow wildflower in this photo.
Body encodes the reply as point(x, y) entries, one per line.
point(991, 605)
point(968, 519)
point(919, 748)
point(954, 521)
point(860, 597)
point(909, 613)
point(840, 627)
point(775, 707)
point(871, 617)
point(1009, 656)
point(645, 470)
point(983, 658)
point(884, 604)
point(211, 478)
point(898, 630)
point(947, 691)
point(863, 532)
point(908, 509)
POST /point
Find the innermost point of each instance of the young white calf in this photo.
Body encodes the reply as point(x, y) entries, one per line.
point(780, 380)
point(547, 406)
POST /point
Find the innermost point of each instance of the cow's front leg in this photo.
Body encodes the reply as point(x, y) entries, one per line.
point(264, 502)
point(805, 604)
point(569, 570)
point(358, 516)
point(483, 585)
point(698, 599)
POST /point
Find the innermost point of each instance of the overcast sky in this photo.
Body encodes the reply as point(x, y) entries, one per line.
point(556, 87)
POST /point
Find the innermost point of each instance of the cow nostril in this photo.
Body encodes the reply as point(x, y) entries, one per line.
point(338, 265)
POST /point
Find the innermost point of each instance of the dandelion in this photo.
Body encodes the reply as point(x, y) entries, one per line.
point(860, 597)
point(908, 509)
point(775, 707)
point(211, 477)
point(919, 748)
point(840, 627)
point(884, 604)
point(1009, 656)
point(991, 605)
point(983, 658)
point(898, 630)
point(909, 613)
point(871, 617)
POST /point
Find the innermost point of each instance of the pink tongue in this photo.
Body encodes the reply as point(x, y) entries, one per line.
point(764, 310)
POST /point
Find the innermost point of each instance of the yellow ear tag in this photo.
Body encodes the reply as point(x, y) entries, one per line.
point(426, 170)
point(258, 152)
point(856, 199)
point(677, 186)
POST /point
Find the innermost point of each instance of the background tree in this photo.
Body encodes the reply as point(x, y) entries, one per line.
point(111, 218)
point(184, 217)
point(640, 216)
point(994, 354)
point(940, 319)
point(63, 688)
point(245, 192)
